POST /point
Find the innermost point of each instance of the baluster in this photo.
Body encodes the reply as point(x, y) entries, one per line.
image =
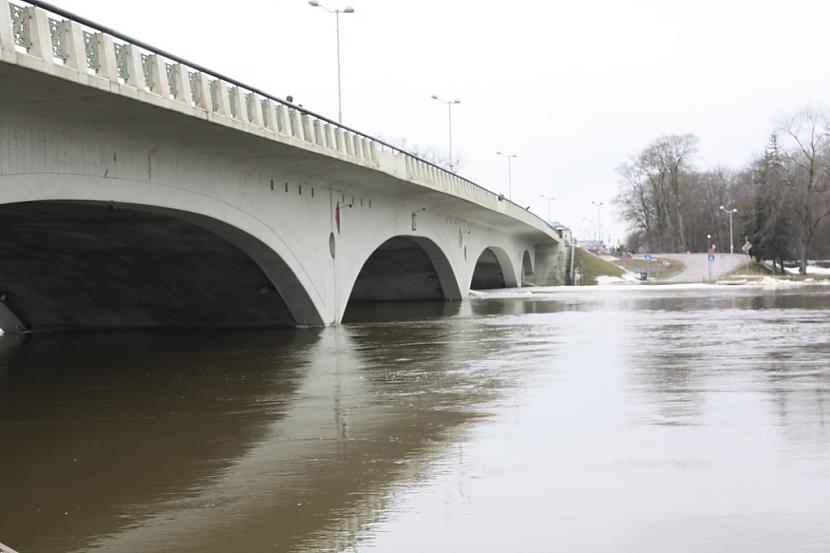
point(329, 132)
point(296, 128)
point(106, 53)
point(358, 148)
point(306, 124)
point(318, 133)
point(349, 142)
point(183, 92)
point(135, 71)
point(223, 98)
point(235, 104)
point(76, 53)
point(255, 111)
point(40, 36)
point(340, 140)
point(367, 155)
point(158, 76)
point(203, 99)
point(283, 126)
point(269, 116)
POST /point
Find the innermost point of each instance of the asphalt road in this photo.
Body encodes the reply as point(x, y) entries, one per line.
point(698, 268)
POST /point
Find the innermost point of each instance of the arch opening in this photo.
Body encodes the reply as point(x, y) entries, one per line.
point(70, 265)
point(527, 264)
point(493, 270)
point(404, 269)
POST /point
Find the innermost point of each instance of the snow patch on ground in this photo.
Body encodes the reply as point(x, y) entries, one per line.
point(811, 270)
point(626, 277)
point(618, 284)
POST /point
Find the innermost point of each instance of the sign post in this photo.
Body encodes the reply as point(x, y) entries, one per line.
point(711, 261)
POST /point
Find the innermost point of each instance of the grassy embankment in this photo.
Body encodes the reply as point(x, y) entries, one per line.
point(592, 266)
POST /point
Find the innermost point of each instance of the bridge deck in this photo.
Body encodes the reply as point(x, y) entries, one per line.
point(106, 80)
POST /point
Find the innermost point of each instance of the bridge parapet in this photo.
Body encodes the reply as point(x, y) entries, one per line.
point(43, 37)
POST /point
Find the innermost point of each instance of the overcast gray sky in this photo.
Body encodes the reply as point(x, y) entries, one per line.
point(573, 88)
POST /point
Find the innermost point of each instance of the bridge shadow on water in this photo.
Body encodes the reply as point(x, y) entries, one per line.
point(146, 441)
point(400, 311)
point(93, 423)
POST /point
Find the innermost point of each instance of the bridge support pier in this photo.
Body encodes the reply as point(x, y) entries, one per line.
point(547, 270)
point(9, 321)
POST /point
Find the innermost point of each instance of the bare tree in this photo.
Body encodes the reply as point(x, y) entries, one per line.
point(432, 154)
point(807, 152)
point(654, 191)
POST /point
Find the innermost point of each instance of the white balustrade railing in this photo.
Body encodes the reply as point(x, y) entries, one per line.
point(55, 36)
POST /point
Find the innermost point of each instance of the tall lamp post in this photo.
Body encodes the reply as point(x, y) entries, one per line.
point(449, 115)
point(730, 212)
point(549, 199)
point(336, 12)
point(509, 178)
point(599, 220)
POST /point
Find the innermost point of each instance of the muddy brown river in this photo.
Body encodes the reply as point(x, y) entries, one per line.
point(682, 419)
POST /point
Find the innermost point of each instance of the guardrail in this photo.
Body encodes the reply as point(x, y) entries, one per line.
point(52, 34)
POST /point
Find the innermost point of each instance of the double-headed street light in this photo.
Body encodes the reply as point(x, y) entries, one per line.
point(599, 220)
point(730, 212)
point(336, 12)
point(509, 177)
point(449, 113)
point(549, 199)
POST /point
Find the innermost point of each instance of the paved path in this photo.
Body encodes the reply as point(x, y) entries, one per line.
point(699, 269)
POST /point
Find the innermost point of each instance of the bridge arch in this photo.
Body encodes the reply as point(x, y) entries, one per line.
point(493, 269)
point(527, 265)
point(405, 268)
point(243, 277)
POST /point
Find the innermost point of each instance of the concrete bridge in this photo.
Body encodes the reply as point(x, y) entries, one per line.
point(140, 190)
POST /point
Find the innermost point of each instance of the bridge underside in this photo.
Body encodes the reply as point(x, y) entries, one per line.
point(66, 265)
point(399, 270)
point(488, 273)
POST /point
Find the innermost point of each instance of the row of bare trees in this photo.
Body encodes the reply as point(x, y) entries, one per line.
point(782, 197)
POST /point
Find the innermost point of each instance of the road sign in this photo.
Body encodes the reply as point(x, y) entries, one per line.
point(711, 258)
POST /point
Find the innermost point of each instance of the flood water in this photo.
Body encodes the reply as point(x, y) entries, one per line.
point(651, 419)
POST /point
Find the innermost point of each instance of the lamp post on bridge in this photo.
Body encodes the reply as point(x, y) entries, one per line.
point(336, 12)
point(549, 199)
point(509, 177)
point(599, 220)
point(449, 114)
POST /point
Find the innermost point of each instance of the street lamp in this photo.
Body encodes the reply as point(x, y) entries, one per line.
point(599, 220)
point(509, 178)
point(549, 199)
point(730, 212)
point(336, 12)
point(449, 113)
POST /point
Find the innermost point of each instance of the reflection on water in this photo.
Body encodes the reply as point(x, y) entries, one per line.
point(644, 420)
